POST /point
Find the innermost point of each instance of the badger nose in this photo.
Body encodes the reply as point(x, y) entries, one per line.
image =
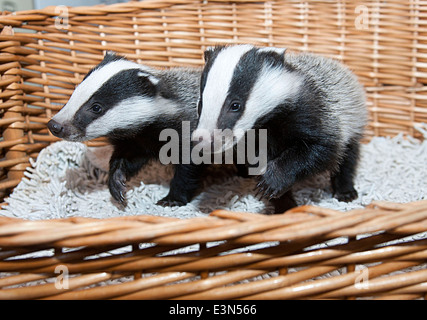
point(55, 127)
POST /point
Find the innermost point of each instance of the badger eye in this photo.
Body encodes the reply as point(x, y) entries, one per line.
point(235, 106)
point(96, 108)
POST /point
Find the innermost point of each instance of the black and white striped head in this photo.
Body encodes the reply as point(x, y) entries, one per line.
point(115, 95)
point(241, 84)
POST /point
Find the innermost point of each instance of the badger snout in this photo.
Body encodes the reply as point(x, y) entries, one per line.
point(65, 131)
point(213, 142)
point(56, 128)
point(203, 139)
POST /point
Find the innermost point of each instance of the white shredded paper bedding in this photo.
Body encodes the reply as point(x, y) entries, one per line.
point(69, 179)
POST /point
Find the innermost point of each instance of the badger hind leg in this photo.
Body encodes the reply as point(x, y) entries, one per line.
point(343, 179)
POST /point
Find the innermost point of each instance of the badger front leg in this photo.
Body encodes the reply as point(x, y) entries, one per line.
point(184, 185)
point(292, 165)
point(123, 166)
point(277, 179)
point(275, 185)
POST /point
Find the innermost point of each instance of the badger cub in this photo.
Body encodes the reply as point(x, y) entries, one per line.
point(312, 107)
point(131, 104)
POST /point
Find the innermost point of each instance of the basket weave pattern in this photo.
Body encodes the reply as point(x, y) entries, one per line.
point(48, 52)
point(225, 242)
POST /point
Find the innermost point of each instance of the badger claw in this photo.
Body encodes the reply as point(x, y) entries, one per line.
point(117, 186)
point(264, 190)
point(281, 199)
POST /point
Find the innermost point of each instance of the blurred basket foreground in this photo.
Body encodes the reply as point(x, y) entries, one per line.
point(266, 257)
point(377, 252)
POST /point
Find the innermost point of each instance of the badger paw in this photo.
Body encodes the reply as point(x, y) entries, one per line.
point(117, 186)
point(346, 196)
point(263, 190)
point(168, 201)
point(272, 185)
point(276, 180)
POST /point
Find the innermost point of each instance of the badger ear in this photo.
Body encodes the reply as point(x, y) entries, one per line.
point(276, 56)
point(151, 77)
point(110, 55)
point(274, 50)
point(208, 53)
point(279, 51)
point(212, 52)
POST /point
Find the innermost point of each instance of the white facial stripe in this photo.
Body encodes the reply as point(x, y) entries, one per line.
point(217, 84)
point(272, 87)
point(91, 84)
point(130, 113)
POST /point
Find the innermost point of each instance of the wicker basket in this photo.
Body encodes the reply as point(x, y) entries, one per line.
point(45, 53)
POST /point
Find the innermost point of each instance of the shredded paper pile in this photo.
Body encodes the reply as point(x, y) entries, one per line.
point(70, 179)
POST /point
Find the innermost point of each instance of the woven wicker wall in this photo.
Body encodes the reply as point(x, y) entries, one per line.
point(50, 50)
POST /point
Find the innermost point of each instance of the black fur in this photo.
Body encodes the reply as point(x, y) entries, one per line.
point(298, 143)
point(109, 57)
point(342, 179)
point(125, 84)
point(135, 145)
point(244, 77)
point(133, 150)
point(184, 185)
point(299, 146)
point(303, 134)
